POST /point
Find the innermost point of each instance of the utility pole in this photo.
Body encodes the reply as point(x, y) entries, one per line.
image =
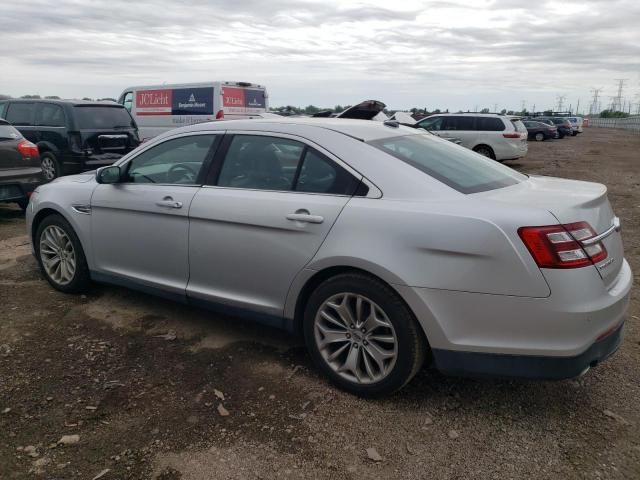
point(560, 99)
point(522, 104)
point(578, 108)
point(594, 108)
point(495, 108)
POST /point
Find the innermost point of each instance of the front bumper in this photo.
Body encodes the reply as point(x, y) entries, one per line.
point(474, 364)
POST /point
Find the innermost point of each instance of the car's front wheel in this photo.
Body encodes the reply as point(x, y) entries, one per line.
point(361, 334)
point(539, 137)
point(60, 255)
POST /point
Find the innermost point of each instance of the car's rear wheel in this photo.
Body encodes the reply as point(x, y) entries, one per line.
point(362, 336)
point(539, 137)
point(50, 166)
point(486, 151)
point(60, 255)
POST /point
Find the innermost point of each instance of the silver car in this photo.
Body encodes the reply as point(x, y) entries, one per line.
point(385, 246)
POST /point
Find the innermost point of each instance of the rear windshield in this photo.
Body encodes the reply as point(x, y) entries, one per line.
point(519, 126)
point(455, 166)
point(98, 117)
point(7, 132)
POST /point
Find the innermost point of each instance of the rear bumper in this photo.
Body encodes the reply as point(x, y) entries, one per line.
point(19, 183)
point(505, 335)
point(475, 364)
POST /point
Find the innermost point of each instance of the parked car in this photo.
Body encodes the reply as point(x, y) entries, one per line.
point(72, 135)
point(20, 171)
point(562, 124)
point(539, 131)
point(576, 125)
point(160, 108)
point(495, 136)
point(385, 246)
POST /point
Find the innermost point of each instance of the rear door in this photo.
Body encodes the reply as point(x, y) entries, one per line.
point(269, 207)
point(140, 226)
point(461, 127)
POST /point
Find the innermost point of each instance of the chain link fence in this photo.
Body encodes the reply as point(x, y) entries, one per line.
point(630, 123)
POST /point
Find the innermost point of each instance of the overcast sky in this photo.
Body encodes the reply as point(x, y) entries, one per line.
point(453, 54)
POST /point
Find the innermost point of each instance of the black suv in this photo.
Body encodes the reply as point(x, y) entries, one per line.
point(73, 136)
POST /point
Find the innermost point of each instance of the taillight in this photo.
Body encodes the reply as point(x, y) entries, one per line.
point(558, 246)
point(511, 135)
point(28, 149)
point(220, 115)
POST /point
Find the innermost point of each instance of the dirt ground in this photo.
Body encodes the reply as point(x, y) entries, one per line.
point(160, 390)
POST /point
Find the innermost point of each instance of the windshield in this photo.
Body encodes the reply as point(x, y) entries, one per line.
point(98, 117)
point(457, 167)
point(7, 132)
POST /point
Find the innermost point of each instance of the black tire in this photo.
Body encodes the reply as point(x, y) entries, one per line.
point(81, 280)
point(540, 137)
point(50, 166)
point(411, 342)
point(485, 151)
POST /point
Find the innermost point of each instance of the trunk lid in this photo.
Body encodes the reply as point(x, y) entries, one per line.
point(571, 201)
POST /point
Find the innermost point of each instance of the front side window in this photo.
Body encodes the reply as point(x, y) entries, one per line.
point(273, 163)
point(459, 168)
point(20, 113)
point(177, 161)
point(50, 115)
point(127, 101)
point(431, 123)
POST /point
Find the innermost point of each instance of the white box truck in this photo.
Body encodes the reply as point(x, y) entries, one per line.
point(158, 108)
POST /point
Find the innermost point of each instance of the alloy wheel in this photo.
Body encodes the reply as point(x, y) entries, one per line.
point(49, 168)
point(57, 255)
point(355, 338)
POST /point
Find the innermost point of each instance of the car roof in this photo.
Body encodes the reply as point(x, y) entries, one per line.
point(72, 102)
point(468, 114)
point(364, 130)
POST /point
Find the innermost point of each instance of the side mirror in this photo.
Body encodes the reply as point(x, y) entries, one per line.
point(110, 174)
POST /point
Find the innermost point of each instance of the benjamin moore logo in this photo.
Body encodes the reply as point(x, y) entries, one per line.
point(192, 101)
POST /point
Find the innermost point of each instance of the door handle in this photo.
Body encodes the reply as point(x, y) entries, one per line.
point(168, 202)
point(305, 217)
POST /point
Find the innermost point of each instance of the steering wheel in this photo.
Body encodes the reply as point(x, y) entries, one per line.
point(181, 173)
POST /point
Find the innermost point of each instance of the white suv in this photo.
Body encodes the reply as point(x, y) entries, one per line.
point(499, 137)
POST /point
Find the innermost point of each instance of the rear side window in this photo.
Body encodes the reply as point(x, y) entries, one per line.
point(96, 117)
point(7, 132)
point(50, 115)
point(458, 123)
point(272, 163)
point(490, 124)
point(320, 174)
point(3, 107)
point(459, 168)
point(20, 113)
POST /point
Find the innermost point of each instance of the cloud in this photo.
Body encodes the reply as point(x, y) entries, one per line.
point(456, 53)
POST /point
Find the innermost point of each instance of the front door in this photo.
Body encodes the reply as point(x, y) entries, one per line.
point(140, 226)
point(262, 220)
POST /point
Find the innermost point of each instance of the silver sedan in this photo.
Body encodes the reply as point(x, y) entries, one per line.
point(386, 247)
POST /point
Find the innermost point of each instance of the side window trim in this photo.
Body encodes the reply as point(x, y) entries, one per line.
point(215, 147)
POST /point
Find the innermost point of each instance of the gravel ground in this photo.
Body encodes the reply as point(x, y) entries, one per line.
point(158, 390)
